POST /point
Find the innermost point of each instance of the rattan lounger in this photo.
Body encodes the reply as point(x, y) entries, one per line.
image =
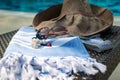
point(110, 58)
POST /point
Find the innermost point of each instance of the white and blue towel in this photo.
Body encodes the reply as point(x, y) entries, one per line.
point(66, 56)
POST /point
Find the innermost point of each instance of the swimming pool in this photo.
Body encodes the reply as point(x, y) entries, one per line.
point(113, 5)
point(40, 5)
point(27, 5)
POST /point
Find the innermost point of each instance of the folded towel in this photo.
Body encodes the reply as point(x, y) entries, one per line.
point(97, 43)
point(65, 57)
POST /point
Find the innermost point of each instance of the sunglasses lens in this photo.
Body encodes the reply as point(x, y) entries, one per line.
point(43, 30)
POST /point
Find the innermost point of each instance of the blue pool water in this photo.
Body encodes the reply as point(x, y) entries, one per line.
point(113, 5)
point(40, 5)
point(27, 5)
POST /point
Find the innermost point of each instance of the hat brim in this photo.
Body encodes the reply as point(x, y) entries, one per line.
point(54, 12)
point(50, 13)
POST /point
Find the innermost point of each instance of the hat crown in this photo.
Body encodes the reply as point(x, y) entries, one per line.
point(76, 6)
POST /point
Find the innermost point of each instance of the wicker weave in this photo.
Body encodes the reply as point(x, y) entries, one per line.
point(110, 58)
point(4, 41)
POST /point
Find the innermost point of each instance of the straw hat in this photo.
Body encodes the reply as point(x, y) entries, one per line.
point(77, 16)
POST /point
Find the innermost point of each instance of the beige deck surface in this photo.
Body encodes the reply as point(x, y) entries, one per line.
point(10, 20)
point(116, 74)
